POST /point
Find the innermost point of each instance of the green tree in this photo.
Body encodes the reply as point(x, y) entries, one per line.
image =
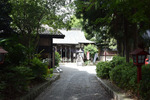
point(76, 23)
point(92, 49)
point(29, 15)
point(124, 20)
point(5, 19)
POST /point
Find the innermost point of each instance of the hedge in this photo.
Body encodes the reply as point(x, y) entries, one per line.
point(124, 75)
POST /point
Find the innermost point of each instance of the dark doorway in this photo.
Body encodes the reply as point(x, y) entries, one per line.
point(63, 53)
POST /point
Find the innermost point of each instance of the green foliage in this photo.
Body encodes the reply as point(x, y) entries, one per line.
point(124, 75)
point(102, 69)
point(145, 82)
point(26, 18)
point(92, 49)
point(87, 63)
point(15, 49)
point(29, 15)
point(76, 23)
point(50, 72)
point(39, 69)
point(117, 60)
point(5, 9)
point(124, 20)
point(57, 58)
point(14, 80)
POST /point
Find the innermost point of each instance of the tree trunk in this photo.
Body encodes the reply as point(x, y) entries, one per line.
point(127, 48)
point(135, 44)
point(123, 48)
point(119, 47)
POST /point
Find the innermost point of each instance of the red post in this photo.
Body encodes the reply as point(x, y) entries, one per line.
point(139, 76)
point(105, 55)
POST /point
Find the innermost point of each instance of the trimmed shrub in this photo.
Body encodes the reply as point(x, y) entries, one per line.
point(124, 75)
point(145, 82)
point(117, 60)
point(39, 69)
point(102, 69)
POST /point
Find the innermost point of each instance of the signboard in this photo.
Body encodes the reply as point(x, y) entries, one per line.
point(96, 56)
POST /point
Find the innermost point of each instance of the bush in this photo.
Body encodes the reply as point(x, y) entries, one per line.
point(57, 58)
point(15, 80)
point(39, 69)
point(50, 71)
point(145, 82)
point(124, 75)
point(117, 60)
point(16, 51)
point(87, 63)
point(102, 69)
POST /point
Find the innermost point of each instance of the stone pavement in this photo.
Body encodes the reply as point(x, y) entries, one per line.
point(75, 83)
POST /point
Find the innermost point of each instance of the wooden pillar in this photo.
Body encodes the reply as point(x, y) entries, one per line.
point(61, 53)
point(53, 57)
point(70, 52)
point(75, 53)
point(65, 53)
point(51, 53)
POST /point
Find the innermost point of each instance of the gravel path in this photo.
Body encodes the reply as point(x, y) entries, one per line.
point(75, 83)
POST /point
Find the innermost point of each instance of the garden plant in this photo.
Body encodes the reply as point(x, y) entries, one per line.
point(124, 75)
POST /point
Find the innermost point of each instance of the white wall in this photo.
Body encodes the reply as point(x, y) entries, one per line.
point(108, 58)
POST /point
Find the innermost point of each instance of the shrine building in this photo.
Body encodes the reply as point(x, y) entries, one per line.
point(69, 46)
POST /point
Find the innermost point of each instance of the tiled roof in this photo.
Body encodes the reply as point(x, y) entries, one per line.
point(72, 37)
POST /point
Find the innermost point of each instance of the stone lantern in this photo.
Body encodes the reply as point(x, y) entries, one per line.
point(80, 58)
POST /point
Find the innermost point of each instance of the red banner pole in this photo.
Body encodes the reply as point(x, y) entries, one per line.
point(139, 77)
